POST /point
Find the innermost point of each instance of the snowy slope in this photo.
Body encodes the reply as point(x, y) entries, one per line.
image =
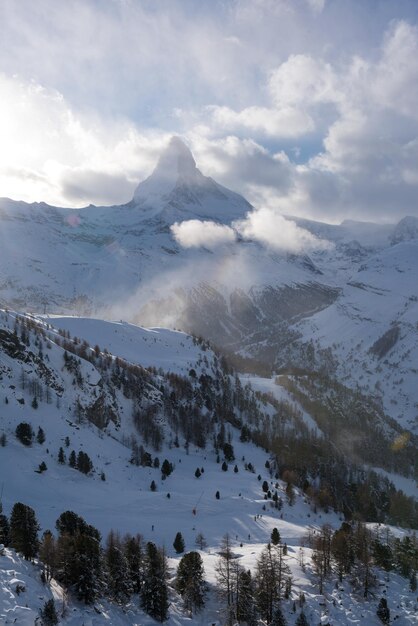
point(124, 500)
point(372, 331)
point(123, 262)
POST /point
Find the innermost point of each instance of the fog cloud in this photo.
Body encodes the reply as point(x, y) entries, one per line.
point(274, 231)
point(197, 233)
point(264, 225)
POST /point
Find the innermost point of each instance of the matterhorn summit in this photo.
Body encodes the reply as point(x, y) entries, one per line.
point(178, 190)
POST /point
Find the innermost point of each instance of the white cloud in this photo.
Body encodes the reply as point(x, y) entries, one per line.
point(274, 231)
point(197, 233)
point(264, 225)
point(302, 81)
point(285, 122)
point(249, 83)
point(317, 6)
point(51, 152)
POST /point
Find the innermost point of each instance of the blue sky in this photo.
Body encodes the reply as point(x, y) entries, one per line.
point(308, 107)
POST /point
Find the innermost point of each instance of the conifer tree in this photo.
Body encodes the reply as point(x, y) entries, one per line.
point(278, 617)
point(72, 460)
point(79, 556)
point(40, 436)
point(48, 613)
point(190, 581)
point(154, 593)
point(383, 612)
point(24, 529)
point(166, 468)
point(245, 602)
point(4, 527)
point(301, 620)
point(117, 569)
point(271, 576)
point(24, 433)
point(135, 559)
point(275, 537)
point(178, 543)
point(61, 456)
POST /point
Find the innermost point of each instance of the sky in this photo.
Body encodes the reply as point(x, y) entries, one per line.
point(306, 107)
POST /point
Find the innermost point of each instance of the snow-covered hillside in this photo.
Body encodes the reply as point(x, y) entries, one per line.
point(260, 303)
point(86, 401)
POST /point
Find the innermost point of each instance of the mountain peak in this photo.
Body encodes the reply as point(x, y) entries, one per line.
point(178, 157)
point(177, 190)
point(175, 163)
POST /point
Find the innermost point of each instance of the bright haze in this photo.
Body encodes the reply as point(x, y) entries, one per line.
point(306, 107)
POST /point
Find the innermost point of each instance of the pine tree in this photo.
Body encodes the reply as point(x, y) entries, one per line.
point(245, 602)
point(61, 456)
point(79, 556)
point(84, 463)
point(383, 612)
point(48, 613)
point(4, 527)
point(166, 468)
point(224, 466)
point(24, 529)
point(40, 437)
point(24, 433)
point(217, 495)
point(190, 581)
point(134, 556)
point(301, 620)
point(72, 460)
point(178, 543)
point(198, 473)
point(275, 537)
point(278, 617)
point(271, 576)
point(42, 467)
point(117, 567)
point(34, 403)
point(153, 486)
point(154, 593)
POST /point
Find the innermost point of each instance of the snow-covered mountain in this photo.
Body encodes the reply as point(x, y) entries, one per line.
point(255, 302)
point(126, 396)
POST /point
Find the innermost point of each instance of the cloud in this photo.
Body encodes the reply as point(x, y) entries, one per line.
point(274, 231)
point(317, 6)
point(262, 225)
point(305, 107)
point(52, 152)
point(197, 233)
point(284, 122)
point(302, 81)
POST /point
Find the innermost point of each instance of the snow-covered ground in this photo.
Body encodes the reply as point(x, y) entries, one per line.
point(124, 501)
